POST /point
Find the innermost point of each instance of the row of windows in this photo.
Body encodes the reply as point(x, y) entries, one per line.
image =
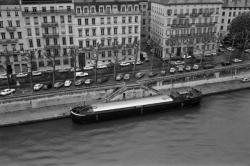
point(10, 23)
point(13, 47)
point(46, 9)
point(107, 9)
point(230, 14)
point(49, 42)
point(53, 30)
point(45, 20)
point(107, 31)
point(109, 20)
point(228, 21)
point(11, 35)
point(9, 14)
point(107, 42)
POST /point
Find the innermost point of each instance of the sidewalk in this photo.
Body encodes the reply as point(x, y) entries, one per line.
point(62, 111)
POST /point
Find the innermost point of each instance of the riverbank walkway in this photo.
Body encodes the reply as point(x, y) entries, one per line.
point(62, 111)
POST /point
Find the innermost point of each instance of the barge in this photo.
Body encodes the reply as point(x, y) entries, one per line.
point(134, 101)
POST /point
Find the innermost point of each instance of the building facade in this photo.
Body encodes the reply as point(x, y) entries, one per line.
point(48, 27)
point(11, 37)
point(106, 31)
point(230, 10)
point(145, 8)
point(185, 27)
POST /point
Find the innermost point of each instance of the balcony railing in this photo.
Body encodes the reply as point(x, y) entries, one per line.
point(181, 25)
point(182, 15)
point(50, 35)
point(109, 13)
point(49, 24)
point(8, 41)
point(205, 24)
point(11, 29)
point(39, 12)
point(194, 15)
point(49, 47)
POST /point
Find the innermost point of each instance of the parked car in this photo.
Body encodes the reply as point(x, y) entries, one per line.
point(196, 67)
point(227, 63)
point(163, 72)
point(21, 75)
point(214, 53)
point(137, 63)
point(67, 83)
point(102, 80)
point(79, 82)
point(230, 49)
point(36, 73)
point(172, 70)
point(81, 74)
point(37, 87)
point(77, 69)
point(236, 60)
point(247, 51)
point(88, 67)
point(188, 68)
point(186, 57)
point(180, 68)
point(88, 81)
point(58, 84)
point(47, 86)
point(3, 76)
point(126, 77)
point(119, 77)
point(139, 75)
point(208, 66)
point(7, 92)
point(152, 74)
point(179, 62)
point(124, 63)
point(245, 79)
point(101, 66)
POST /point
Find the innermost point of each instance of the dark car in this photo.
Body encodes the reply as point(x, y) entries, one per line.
point(79, 82)
point(47, 86)
point(102, 80)
point(208, 66)
point(58, 84)
point(226, 63)
point(152, 74)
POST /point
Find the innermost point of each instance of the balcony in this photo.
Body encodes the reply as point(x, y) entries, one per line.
point(11, 29)
point(50, 35)
point(205, 24)
point(104, 13)
point(194, 15)
point(40, 12)
point(8, 41)
point(49, 47)
point(182, 15)
point(206, 14)
point(49, 24)
point(181, 25)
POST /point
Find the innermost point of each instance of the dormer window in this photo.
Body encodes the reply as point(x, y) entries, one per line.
point(78, 10)
point(123, 9)
point(34, 9)
point(44, 9)
point(101, 9)
point(130, 8)
point(85, 10)
point(136, 8)
point(68, 8)
point(108, 9)
point(26, 9)
point(52, 9)
point(92, 9)
point(115, 8)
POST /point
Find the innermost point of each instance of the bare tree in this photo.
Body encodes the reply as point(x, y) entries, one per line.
point(52, 58)
point(7, 67)
point(136, 47)
point(29, 55)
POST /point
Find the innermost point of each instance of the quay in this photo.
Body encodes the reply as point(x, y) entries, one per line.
point(59, 106)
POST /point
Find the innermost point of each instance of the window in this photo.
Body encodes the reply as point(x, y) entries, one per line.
point(223, 13)
point(108, 20)
point(8, 13)
point(70, 29)
point(86, 21)
point(11, 35)
point(93, 21)
point(52, 9)
point(108, 9)
point(109, 31)
point(16, 13)
point(38, 42)
point(64, 40)
point(80, 32)
point(229, 20)
point(43, 9)
point(123, 30)
point(101, 9)
point(87, 43)
point(46, 30)
point(87, 32)
point(34, 9)
point(94, 43)
point(55, 41)
point(62, 19)
point(45, 19)
point(10, 23)
point(37, 31)
point(79, 21)
point(129, 30)
point(69, 19)
point(92, 9)
point(129, 19)
point(136, 29)
point(102, 20)
point(94, 32)
point(136, 19)
point(102, 31)
point(26, 9)
point(109, 42)
point(123, 8)
point(1, 24)
point(29, 32)
point(115, 42)
point(123, 19)
point(78, 10)
point(30, 43)
point(27, 20)
point(3, 35)
point(103, 54)
point(123, 41)
point(69, 8)
point(109, 54)
point(115, 30)
point(80, 44)
point(19, 35)
point(53, 19)
point(115, 20)
point(47, 42)
point(102, 42)
point(71, 41)
point(85, 10)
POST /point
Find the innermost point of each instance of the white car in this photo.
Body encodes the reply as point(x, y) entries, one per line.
point(196, 67)
point(21, 75)
point(138, 62)
point(101, 66)
point(7, 91)
point(3, 76)
point(67, 83)
point(172, 70)
point(88, 67)
point(245, 79)
point(37, 87)
point(230, 49)
point(124, 64)
point(88, 81)
point(236, 60)
point(186, 57)
point(179, 63)
point(36, 73)
point(247, 51)
point(81, 74)
point(77, 69)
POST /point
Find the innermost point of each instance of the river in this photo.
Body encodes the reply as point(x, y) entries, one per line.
point(215, 133)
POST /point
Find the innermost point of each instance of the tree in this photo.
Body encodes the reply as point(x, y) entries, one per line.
point(52, 58)
point(7, 66)
point(240, 29)
point(136, 47)
point(115, 56)
point(29, 55)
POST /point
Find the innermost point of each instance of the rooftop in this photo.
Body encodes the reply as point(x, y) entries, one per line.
point(185, 2)
point(104, 1)
point(242, 3)
point(45, 1)
point(9, 2)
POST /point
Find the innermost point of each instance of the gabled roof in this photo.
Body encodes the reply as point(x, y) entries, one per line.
point(9, 2)
point(187, 2)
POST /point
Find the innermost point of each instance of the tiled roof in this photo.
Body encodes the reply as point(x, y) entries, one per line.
point(45, 1)
point(184, 2)
point(9, 2)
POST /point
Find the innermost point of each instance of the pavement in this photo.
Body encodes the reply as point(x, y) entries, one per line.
point(63, 111)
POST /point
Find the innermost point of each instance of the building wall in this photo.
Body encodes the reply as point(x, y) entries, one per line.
point(145, 8)
point(184, 28)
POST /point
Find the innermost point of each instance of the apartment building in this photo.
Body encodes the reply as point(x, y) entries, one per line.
point(107, 30)
point(48, 27)
point(145, 8)
point(230, 10)
point(11, 37)
point(184, 27)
